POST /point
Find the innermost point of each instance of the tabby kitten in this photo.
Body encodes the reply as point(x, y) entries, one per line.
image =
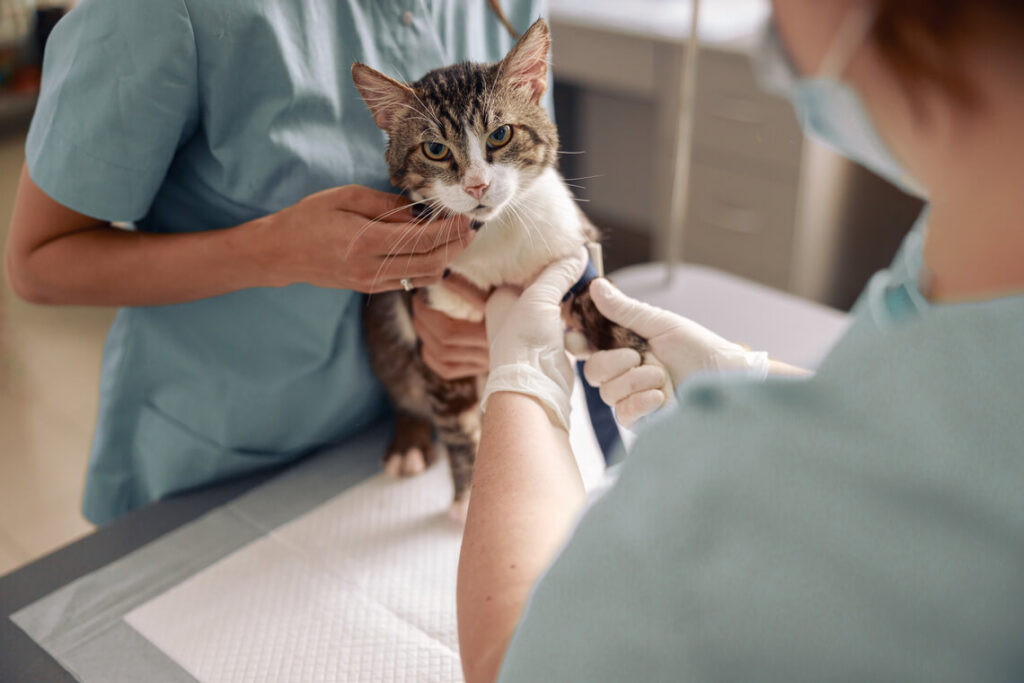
point(472, 139)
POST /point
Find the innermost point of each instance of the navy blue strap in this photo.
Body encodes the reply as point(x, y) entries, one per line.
point(601, 416)
point(589, 275)
point(603, 419)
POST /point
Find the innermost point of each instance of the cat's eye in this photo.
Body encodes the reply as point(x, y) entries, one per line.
point(435, 151)
point(499, 137)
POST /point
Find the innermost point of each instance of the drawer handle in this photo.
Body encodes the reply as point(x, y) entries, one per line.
point(736, 218)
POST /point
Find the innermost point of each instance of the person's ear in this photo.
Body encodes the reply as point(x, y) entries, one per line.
point(526, 64)
point(385, 96)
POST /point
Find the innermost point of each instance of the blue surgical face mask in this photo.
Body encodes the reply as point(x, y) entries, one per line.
point(828, 109)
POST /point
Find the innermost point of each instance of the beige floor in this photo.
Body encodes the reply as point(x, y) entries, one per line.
point(49, 378)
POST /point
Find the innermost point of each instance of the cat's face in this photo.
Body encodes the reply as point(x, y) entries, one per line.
point(468, 137)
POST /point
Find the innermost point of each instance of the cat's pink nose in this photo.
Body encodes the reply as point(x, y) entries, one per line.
point(476, 191)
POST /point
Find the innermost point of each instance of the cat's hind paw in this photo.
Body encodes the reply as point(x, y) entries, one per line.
point(457, 512)
point(407, 464)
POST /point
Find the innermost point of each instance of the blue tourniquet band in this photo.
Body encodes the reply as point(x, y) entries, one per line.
point(602, 418)
point(588, 276)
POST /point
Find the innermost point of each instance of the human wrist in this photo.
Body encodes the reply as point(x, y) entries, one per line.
point(737, 358)
point(551, 394)
point(257, 260)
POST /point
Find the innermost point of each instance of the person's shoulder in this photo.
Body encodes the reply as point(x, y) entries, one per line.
point(917, 399)
point(129, 21)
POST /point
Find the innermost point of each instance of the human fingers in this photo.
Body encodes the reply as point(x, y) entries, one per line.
point(605, 365)
point(498, 306)
point(633, 381)
point(555, 280)
point(644, 319)
point(445, 330)
point(465, 365)
point(631, 409)
point(367, 202)
point(446, 235)
point(424, 270)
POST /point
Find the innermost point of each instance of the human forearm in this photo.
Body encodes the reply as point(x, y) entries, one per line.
point(527, 493)
point(57, 255)
point(105, 266)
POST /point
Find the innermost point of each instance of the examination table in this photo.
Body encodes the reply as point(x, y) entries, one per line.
point(322, 571)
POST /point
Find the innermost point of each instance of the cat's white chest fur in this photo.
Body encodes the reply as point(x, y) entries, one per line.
point(540, 225)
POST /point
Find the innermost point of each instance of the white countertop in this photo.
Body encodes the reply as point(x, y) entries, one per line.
point(722, 22)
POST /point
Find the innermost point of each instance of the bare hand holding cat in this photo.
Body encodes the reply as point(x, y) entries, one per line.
point(452, 348)
point(354, 237)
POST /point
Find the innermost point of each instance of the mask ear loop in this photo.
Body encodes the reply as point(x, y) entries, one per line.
point(851, 37)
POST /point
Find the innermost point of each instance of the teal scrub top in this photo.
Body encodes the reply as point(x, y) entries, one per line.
point(866, 524)
point(184, 116)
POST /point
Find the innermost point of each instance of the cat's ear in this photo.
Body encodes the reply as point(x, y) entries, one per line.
point(385, 96)
point(526, 65)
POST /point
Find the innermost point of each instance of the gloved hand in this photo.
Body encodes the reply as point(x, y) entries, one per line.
point(680, 346)
point(527, 340)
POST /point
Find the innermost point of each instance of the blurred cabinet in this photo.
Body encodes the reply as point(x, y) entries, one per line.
point(745, 178)
point(765, 203)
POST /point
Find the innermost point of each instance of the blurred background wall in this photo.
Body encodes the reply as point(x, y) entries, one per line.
point(764, 203)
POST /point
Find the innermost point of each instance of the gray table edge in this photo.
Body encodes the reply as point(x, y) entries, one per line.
point(21, 658)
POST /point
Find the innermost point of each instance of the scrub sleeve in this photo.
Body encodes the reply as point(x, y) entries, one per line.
point(865, 524)
point(118, 99)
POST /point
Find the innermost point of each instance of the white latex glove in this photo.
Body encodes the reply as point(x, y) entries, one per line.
point(527, 340)
point(636, 387)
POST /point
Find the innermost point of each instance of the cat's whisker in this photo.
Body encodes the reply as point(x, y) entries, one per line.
point(437, 240)
point(532, 208)
point(378, 219)
point(434, 210)
point(529, 228)
point(564, 151)
point(586, 177)
point(407, 234)
point(537, 211)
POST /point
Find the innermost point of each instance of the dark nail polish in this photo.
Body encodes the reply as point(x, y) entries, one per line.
point(447, 272)
point(417, 210)
point(476, 225)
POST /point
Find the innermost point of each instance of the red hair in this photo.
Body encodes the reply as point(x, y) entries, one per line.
point(923, 40)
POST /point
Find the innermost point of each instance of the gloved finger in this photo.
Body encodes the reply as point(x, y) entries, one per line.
point(606, 365)
point(669, 388)
point(633, 381)
point(554, 281)
point(631, 409)
point(498, 306)
point(644, 319)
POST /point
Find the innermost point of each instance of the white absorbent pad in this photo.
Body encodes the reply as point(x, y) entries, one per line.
point(360, 589)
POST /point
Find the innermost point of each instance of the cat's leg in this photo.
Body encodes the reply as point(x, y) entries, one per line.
point(412, 449)
point(457, 419)
point(391, 342)
point(597, 332)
